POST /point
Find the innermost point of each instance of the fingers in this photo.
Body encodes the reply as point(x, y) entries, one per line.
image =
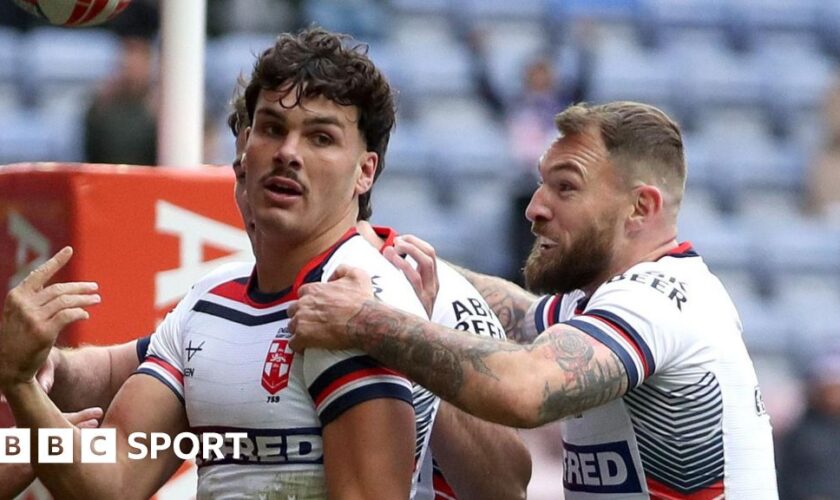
point(351, 273)
point(63, 302)
point(426, 262)
point(73, 288)
point(87, 418)
point(43, 273)
point(66, 317)
point(417, 242)
point(411, 274)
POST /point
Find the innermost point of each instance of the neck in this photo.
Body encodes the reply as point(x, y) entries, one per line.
point(279, 259)
point(647, 253)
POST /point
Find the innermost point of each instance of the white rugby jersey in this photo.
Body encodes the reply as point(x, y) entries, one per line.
point(460, 306)
point(693, 424)
point(224, 352)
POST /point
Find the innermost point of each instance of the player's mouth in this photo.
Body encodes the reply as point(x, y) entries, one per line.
point(544, 244)
point(282, 190)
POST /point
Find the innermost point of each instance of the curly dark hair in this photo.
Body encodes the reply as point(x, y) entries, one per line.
point(238, 119)
point(316, 62)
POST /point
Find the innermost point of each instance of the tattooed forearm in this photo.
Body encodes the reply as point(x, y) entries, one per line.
point(509, 301)
point(590, 381)
point(564, 372)
point(414, 347)
point(383, 334)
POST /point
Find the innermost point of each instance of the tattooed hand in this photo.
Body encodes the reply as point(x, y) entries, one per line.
point(320, 316)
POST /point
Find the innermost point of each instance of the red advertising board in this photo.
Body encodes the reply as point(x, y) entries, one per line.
point(145, 234)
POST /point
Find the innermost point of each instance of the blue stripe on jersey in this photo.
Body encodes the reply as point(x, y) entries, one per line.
point(147, 371)
point(623, 355)
point(339, 370)
point(539, 322)
point(361, 395)
point(240, 317)
point(143, 347)
point(632, 333)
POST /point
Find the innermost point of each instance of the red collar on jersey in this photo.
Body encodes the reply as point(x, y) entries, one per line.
point(388, 234)
point(311, 272)
point(684, 249)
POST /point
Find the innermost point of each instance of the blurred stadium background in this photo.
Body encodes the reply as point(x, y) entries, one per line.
point(752, 82)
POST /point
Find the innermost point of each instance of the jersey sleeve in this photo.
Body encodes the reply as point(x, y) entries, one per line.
point(164, 354)
point(340, 380)
point(143, 348)
point(547, 312)
point(636, 321)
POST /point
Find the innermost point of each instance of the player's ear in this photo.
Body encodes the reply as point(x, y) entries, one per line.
point(366, 171)
point(647, 203)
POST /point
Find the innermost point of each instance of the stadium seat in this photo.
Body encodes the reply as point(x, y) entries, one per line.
point(795, 73)
point(624, 70)
point(463, 136)
point(408, 150)
point(62, 67)
point(661, 16)
point(433, 62)
point(767, 327)
point(762, 16)
point(9, 76)
point(30, 134)
point(422, 7)
point(508, 48)
point(708, 73)
point(363, 19)
point(564, 12)
point(505, 10)
point(229, 57)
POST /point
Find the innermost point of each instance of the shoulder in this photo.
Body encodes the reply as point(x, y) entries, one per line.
point(389, 283)
point(661, 284)
point(227, 273)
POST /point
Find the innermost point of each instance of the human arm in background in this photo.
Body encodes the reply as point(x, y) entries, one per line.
point(91, 375)
point(33, 315)
point(563, 372)
point(479, 459)
point(14, 478)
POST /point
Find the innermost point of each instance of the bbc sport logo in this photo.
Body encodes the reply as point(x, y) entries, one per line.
point(55, 446)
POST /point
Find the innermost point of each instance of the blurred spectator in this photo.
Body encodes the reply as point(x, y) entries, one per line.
point(531, 121)
point(121, 124)
point(808, 465)
point(258, 16)
point(824, 177)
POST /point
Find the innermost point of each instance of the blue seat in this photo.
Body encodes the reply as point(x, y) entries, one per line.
point(566, 11)
point(9, 75)
point(631, 72)
point(363, 19)
point(707, 73)
point(229, 58)
point(62, 67)
point(795, 72)
point(30, 134)
point(759, 16)
point(661, 16)
point(509, 47)
point(502, 9)
point(463, 136)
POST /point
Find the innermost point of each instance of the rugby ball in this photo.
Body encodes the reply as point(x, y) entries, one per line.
point(74, 13)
